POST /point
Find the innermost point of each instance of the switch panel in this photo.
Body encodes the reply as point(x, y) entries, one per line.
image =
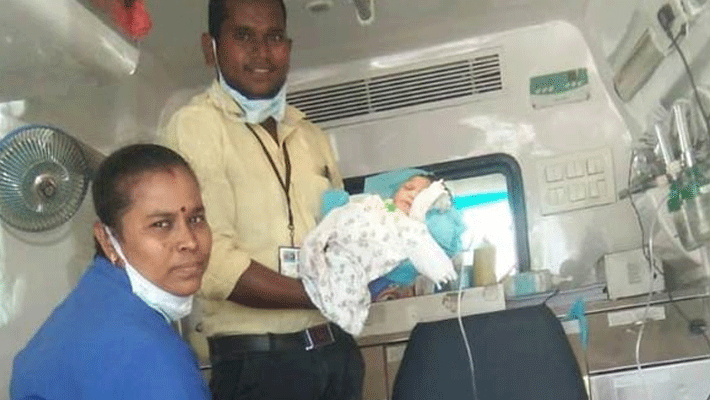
point(576, 181)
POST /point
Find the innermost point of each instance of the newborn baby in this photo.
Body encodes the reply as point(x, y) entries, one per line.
point(365, 239)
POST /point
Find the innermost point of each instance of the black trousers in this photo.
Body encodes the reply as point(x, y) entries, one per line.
point(332, 372)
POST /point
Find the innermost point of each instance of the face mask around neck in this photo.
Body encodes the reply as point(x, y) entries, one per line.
point(170, 306)
point(255, 111)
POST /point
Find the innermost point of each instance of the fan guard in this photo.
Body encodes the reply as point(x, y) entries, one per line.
point(44, 176)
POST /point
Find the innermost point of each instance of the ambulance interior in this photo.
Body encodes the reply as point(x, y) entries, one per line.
point(573, 135)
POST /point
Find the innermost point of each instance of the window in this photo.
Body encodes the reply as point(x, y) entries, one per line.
point(488, 190)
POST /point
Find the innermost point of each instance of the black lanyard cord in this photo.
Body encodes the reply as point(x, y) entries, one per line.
point(285, 183)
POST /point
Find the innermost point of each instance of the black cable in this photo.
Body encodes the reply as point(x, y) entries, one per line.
point(644, 246)
point(704, 116)
point(654, 268)
point(651, 264)
point(686, 318)
point(555, 293)
point(690, 77)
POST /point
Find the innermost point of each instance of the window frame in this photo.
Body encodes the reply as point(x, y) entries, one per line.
point(478, 166)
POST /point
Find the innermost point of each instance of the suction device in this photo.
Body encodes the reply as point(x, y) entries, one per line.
point(44, 176)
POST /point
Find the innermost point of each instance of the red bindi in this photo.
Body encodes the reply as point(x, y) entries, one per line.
point(183, 209)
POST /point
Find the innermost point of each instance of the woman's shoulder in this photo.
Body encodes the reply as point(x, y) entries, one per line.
point(125, 359)
point(100, 309)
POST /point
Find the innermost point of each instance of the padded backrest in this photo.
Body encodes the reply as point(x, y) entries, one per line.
point(518, 354)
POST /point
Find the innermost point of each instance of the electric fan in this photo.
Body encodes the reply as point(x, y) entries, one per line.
point(44, 175)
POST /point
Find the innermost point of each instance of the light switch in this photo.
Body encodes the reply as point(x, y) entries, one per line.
point(601, 185)
point(553, 173)
point(550, 173)
point(559, 172)
point(561, 195)
point(552, 197)
point(593, 190)
point(576, 180)
point(578, 192)
point(599, 162)
point(571, 170)
point(579, 168)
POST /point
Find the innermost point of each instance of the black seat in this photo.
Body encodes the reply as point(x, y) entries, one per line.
point(518, 354)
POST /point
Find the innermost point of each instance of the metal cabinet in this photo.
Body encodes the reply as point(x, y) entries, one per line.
point(609, 364)
point(375, 385)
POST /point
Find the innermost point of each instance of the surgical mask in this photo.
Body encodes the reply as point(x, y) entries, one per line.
point(255, 111)
point(170, 306)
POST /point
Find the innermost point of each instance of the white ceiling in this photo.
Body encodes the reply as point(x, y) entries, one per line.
point(335, 35)
point(34, 66)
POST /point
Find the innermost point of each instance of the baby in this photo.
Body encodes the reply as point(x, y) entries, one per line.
point(406, 194)
point(364, 240)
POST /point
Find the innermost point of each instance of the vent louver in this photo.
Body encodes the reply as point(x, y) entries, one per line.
point(411, 88)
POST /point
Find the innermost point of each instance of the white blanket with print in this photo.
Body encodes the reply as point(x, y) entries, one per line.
point(357, 243)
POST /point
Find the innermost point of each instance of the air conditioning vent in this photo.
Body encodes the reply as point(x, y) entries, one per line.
point(378, 94)
point(333, 102)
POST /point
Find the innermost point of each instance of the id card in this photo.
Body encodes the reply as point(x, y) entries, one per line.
point(288, 261)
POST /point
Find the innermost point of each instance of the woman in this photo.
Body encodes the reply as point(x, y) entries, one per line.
point(112, 338)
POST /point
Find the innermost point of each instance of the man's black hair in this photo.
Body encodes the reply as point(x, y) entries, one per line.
point(217, 13)
point(112, 186)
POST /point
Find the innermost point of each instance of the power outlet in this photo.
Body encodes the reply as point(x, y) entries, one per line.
point(627, 274)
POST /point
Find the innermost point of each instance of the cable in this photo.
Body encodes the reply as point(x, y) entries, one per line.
point(645, 252)
point(633, 205)
point(465, 337)
point(648, 252)
point(670, 297)
point(554, 293)
point(704, 114)
point(653, 267)
point(648, 301)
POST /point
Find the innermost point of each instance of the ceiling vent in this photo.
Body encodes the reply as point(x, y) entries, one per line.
point(379, 96)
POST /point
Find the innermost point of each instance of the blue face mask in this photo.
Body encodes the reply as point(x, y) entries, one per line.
point(255, 111)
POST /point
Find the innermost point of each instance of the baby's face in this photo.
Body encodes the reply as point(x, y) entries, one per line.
point(408, 191)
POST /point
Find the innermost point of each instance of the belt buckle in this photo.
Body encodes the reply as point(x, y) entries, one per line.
point(319, 336)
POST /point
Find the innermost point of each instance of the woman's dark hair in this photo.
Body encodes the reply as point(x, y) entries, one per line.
point(217, 12)
point(112, 186)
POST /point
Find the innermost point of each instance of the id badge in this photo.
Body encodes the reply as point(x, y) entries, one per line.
point(288, 261)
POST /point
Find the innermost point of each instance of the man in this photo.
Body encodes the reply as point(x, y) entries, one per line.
point(263, 169)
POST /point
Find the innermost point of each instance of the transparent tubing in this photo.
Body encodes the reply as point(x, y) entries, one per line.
point(637, 351)
point(465, 338)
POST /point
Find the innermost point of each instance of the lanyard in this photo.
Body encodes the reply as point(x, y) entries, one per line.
point(285, 183)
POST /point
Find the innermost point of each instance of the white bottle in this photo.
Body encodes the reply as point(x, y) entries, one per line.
point(531, 282)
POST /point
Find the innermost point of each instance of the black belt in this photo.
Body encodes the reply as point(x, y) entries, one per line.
point(224, 348)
